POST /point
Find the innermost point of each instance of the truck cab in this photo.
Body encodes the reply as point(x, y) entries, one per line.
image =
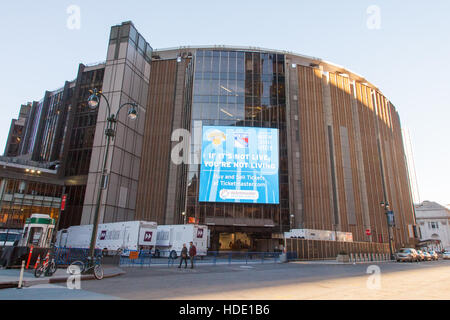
point(38, 231)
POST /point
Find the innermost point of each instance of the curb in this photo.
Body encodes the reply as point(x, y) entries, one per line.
point(30, 283)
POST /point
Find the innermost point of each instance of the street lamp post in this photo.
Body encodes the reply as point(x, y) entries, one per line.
point(110, 132)
point(184, 216)
point(386, 207)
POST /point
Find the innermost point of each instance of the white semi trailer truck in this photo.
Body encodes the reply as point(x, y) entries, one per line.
point(170, 239)
point(131, 235)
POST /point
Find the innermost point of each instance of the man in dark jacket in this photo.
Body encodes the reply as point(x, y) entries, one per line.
point(192, 254)
point(184, 256)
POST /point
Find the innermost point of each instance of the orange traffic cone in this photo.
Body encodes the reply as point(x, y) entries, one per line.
point(38, 261)
point(47, 257)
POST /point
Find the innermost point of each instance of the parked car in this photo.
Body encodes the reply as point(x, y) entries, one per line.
point(421, 255)
point(446, 255)
point(427, 256)
point(434, 255)
point(407, 254)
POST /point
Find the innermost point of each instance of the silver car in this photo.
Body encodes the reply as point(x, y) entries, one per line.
point(427, 256)
point(434, 255)
point(421, 255)
point(446, 255)
point(407, 254)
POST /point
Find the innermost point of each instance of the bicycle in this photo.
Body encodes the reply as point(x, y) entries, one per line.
point(80, 267)
point(47, 267)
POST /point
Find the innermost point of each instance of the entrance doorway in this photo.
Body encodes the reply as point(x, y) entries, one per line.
point(235, 241)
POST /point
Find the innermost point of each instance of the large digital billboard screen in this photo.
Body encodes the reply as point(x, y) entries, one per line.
point(239, 165)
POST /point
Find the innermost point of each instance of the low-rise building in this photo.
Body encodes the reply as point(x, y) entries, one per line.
point(434, 222)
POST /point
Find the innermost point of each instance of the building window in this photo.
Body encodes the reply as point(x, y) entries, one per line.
point(433, 225)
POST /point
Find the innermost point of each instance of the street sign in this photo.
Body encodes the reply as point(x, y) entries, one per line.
point(391, 220)
point(134, 255)
point(63, 202)
point(192, 220)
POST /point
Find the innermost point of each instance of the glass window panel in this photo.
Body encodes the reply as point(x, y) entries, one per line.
point(256, 63)
point(222, 99)
point(248, 62)
point(197, 87)
point(199, 64)
point(209, 111)
point(224, 61)
point(280, 64)
point(124, 31)
point(240, 68)
point(133, 34)
point(216, 61)
point(232, 62)
point(114, 33)
point(207, 64)
point(141, 44)
point(232, 99)
point(231, 76)
point(214, 87)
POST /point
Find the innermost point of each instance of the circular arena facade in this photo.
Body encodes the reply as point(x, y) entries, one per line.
point(332, 145)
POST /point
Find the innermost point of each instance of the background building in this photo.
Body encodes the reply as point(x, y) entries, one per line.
point(27, 187)
point(340, 148)
point(56, 138)
point(16, 132)
point(433, 220)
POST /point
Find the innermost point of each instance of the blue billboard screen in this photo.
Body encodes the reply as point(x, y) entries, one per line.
point(239, 165)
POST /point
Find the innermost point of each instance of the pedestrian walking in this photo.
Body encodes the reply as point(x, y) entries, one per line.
point(192, 253)
point(184, 256)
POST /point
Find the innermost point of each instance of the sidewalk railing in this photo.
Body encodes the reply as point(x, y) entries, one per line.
point(147, 259)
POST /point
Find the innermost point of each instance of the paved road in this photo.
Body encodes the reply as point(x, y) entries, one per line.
point(426, 280)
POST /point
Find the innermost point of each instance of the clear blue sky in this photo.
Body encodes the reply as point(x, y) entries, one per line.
point(408, 58)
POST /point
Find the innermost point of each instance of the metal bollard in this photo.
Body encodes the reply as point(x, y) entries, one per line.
point(21, 275)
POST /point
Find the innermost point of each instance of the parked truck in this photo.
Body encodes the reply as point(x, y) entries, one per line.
point(38, 231)
point(125, 236)
point(170, 239)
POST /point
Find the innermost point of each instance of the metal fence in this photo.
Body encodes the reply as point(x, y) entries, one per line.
point(65, 256)
point(302, 249)
point(147, 259)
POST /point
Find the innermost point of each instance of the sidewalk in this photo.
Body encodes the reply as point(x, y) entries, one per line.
point(334, 262)
point(9, 278)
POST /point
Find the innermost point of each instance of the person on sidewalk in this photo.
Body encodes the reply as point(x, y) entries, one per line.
point(192, 253)
point(184, 256)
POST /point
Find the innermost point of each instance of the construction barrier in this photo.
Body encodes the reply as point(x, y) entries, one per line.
point(303, 249)
point(147, 259)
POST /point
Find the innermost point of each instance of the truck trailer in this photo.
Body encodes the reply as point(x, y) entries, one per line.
point(125, 236)
point(170, 239)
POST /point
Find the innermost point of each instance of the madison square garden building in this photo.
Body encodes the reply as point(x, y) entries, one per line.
point(251, 142)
